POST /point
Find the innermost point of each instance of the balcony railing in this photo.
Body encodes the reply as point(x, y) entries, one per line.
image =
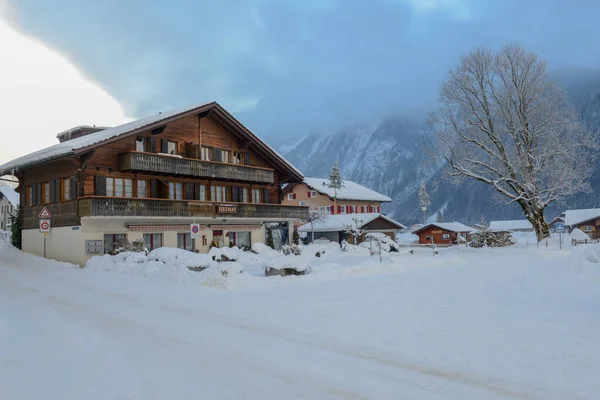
point(131, 207)
point(170, 165)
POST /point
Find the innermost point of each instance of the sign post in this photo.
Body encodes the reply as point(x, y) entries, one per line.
point(560, 228)
point(195, 231)
point(45, 229)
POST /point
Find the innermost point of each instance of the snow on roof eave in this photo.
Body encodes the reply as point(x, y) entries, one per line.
point(366, 193)
point(345, 219)
point(447, 227)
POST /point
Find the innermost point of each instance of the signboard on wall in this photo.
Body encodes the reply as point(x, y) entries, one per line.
point(227, 209)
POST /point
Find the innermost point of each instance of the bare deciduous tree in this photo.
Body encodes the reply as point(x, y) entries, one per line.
point(355, 229)
point(504, 123)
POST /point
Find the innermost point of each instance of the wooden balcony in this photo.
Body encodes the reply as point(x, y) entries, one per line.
point(190, 167)
point(132, 207)
point(63, 214)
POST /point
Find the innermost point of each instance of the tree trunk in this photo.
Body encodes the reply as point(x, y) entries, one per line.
point(535, 215)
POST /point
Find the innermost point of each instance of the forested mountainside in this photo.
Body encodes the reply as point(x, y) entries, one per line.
point(391, 156)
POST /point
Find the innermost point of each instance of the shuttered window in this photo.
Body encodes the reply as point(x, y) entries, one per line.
point(66, 189)
point(46, 193)
point(206, 153)
point(244, 195)
point(200, 192)
point(237, 157)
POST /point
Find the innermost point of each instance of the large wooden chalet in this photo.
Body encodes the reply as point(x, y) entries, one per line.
point(149, 179)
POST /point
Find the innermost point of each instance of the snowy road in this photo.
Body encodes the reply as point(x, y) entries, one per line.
point(468, 331)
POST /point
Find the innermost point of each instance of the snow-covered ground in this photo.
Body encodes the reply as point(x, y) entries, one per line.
point(513, 323)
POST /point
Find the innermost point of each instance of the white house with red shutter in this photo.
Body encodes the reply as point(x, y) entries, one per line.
point(351, 199)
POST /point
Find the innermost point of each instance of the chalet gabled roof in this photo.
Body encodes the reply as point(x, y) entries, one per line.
point(350, 191)
point(86, 143)
point(337, 222)
point(448, 226)
point(576, 217)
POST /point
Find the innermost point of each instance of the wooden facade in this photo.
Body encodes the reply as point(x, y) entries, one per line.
point(439, 235)
point(170, 168)
point(590, 227)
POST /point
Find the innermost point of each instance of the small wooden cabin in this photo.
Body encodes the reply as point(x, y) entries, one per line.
point(443, 233)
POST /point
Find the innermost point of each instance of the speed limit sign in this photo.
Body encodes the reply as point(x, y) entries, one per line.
point(44, 225)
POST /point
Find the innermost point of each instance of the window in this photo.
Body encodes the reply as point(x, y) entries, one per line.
point(152, 240)
point(172, 147)
point(218, 193)
point(324, 209)
point(256, 196)
point(237, 157)
point(302, 203)
point(185, 241)
point(66, 189)
point(141, 144)
point(245, 195)
point(46, 186)
point(291, 196)
point(119, 187)
point(314, 193)
point(206, 153)
point(202, 192)
point(445, 236)
point(110, 187)
point(353, 209)
point(587, 228)
point(112, 241)
point(142, 188)
point(342, 209)
point(225, 156)
point(239, 239)
point(175, 191)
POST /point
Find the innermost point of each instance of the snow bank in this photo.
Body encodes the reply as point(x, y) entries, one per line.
point(179, 257)
point(407, 238)
point(298, 263)
point(230, 253)
point(578, 234)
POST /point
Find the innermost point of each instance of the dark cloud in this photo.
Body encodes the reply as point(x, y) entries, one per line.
point(296, 66)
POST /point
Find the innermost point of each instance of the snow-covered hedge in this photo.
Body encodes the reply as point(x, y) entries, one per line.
point(289, 262)
point(225, 253)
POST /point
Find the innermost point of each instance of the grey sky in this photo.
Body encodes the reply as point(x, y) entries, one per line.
point(288, 67)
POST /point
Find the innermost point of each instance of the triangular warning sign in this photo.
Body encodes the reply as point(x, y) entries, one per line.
point(45, 213)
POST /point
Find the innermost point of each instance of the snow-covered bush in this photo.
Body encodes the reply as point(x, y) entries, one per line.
point(286, 249)
point(387, 244)
point(221, 254)
point(317, 250)
point(124, 245)
point(180, 258)
point(485, 238)
point(296, 250)
point(287, 265)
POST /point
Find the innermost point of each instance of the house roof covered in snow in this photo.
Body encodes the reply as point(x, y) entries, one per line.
point(510, 225)
point(448, 226)
point(350, 191)
point(574, 217)
point(83, 144)
point(337, 222)
point(11, 195)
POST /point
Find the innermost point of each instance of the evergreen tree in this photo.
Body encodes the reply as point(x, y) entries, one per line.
point(270, 242)
point(439, 217)
point(336, 182)
point(16, 228)
point(424, 200)
point(296, 237)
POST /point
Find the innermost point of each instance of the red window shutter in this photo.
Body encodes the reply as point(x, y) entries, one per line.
point(332, 210)
point(339, 210)
point(294, 196)
point(308, 195)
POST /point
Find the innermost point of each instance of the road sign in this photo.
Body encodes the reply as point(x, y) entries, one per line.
point(45, 213)
point(44, 225)
point(560, 227)
point(195, 230)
